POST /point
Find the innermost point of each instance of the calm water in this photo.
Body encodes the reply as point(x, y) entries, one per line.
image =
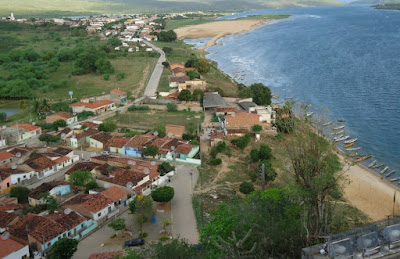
point(10, 110)
point(346, 59)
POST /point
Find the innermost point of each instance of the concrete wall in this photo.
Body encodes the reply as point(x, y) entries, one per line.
point(22, 253)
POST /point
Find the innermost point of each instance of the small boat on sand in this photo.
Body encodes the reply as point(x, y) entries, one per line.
point(384, 170)
point(390, 173)
point(338, 128)
point(309, 114)
point(377, 166)
point(341, 139)
point(394, 179)
point(351, 141)
point(340, 120)
point(349, 145)
point(289, 97)
point(372, 164)
point(327, 124)
point(354, 155)
point(362, 158)
point(353, 149)
point(337, 132)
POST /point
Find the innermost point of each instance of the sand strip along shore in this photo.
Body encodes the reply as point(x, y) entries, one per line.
point(219, 29)
point(368, 192)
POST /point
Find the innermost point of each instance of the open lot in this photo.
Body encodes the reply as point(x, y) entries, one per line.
point(152, 118)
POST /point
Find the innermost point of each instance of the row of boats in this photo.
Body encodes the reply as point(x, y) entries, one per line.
point(339, 136)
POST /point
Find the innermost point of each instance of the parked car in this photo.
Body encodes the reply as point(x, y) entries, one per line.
point(105, 153)
point(134, 242)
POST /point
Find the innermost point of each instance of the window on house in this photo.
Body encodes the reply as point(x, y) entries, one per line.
point(8, 185)
point(99, 214)
point(24, 176)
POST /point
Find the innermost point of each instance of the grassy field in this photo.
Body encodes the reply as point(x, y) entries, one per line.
point(151, 119)
point(174, 24)
point(164, 81)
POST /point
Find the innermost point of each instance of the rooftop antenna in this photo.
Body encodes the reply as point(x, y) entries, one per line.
point(5, 236)
point(129, 185)
point(67, 211)
point(146, 171)
point(155, 133)
point(107, 185)
point(153, 163)
point(14, 166)
point(18, 154)
point(131, 162)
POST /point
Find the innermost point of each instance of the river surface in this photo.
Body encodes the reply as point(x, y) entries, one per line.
point(342, 59)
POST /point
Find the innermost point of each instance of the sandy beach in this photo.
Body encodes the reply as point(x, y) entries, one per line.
point(218, 29)
point(369, 193)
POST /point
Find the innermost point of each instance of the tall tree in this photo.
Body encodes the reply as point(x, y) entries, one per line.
point(117, 225)
point(143, 211)
point(81, 178)
point(64, 248)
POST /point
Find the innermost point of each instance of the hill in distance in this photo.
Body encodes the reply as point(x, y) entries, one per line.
point(29, 8)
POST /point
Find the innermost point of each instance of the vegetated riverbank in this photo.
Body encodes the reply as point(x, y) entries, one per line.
point(219, 29)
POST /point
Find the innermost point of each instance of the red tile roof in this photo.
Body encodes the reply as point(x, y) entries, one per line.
point(82, 166)
point(45, 187)
point(184, 148)
point(117, 91)
point(69, 221)
point(61, 159)
point(9, 207)
point(6, 172)
point(107, 255)
point(115, 193)
point(64, 115)
point(225, 109)
point(90, 124)
point(26, 126)
point(87, 133)
point(98, 104)
point(117, 142)
point(77, 104)
point(97, 203)
point(5, 155)
point(6, 218)
point(39, 162)
point(9, 246)
point(102, 137)
point(242, 120)
point(139, 141)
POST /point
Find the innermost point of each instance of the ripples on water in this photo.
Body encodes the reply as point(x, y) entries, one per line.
point(346, 59)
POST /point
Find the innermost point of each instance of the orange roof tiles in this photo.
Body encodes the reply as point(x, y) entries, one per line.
point(242, 119)
point(226, 109)
point(64, 115)
point(184, 148)
point(6, 219)
point(139, 141)
point(107, 255)
point(115, 193)
point(97, 203)
point(117, 142)
point(77, 104)
point(8, 207)
point(102, 137)
point(117, 91)
point(5, 155)
point(90, 124)
point(26, 126)
point(9, 246)
point(40, 162)
point(61, 159)
point(98, 104)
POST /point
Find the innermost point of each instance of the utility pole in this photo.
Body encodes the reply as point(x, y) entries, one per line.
point(262, 169)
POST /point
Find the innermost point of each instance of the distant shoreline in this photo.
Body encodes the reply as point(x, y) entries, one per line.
point(220, 29)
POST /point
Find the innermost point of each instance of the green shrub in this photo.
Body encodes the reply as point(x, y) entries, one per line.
point(139, 108)
point(106, 77)
point(246, 187)
point(172, 107)
point(215, 161)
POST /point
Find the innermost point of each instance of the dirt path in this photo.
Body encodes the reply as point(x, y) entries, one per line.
point(142, 83)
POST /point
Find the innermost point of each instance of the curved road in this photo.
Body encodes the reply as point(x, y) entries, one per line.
point(152, 85)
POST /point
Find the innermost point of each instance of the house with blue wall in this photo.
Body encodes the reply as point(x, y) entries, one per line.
point(117, 145)
point(134, 147)
point(41, 232)
point(185, 151)
point(55, 188)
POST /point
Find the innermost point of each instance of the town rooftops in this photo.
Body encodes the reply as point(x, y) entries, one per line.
point(179, 79)
point(90, 124)
point(40, 162)
point(22, 151)
point(242, 119)
point(97, 202)
point(212, 100)
point(118, 92)
point(184, 148)
point(226, 109)
point(179, 70)
point(115, 193)
point(10, 207)
point(93, 105)
point(45, 187)
point(27, 127)
point(117, 142)
point(9, 246)
point(247, 105)
point(6, 172)
point(107, 255)
point(5, 155)
point(82, 166)
point(175, 65)
point(174, 130)
point(123, 177)
point(139, 141)
point(6, 219)
point(62, 151)
point(64, 115)
point(102, 137)
point(69, 221)
point(87, 133)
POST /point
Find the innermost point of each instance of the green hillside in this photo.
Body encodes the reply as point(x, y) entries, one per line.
point(29, 8)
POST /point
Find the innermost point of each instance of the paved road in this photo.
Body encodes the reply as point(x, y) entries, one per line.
point(182, 213)
point(152, 85)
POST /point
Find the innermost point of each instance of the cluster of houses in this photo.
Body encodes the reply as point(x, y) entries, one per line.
point(238, 116)
point(20, 164)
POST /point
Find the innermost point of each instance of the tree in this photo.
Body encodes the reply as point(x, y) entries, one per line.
point(260, 93)
point(49, 138)
point(172, 107)
point(59, 124)
point(185, 95)
point(117, 225)
point(160, 130)
point(257, 128)
point(269, 171)
point(241, 142)
point(21, 193)
point(150, 150)
point(165, 168)
point(246, 187)
point(197, 95)
point(81, 178)
point(114, 41)
point(64, 248)
point(132, 205)
point(202, 65)
point(167, 36)
point(165, 224)
point(165, 64)
point(49, 201)
point(108, 126)
point(90, 185)
point(192, 74)
point(167, 50)
point(104, 66)
point(3, 117)
point(254, 155)
point(163, 194)
point(143, 211)
point(191, 62)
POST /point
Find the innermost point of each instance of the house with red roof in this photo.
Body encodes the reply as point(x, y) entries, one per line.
point(11, 249)
point(96, 107)
point(54, 188)
point(185, 151)
point(117, 145)
point(7, 220)
point(27, 131)
point(6, 157)
point(118, 96)
point(117, 195)
point(99, 140)
point(65, 116)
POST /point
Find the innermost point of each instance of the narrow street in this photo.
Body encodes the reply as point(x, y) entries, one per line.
point(152, 85)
